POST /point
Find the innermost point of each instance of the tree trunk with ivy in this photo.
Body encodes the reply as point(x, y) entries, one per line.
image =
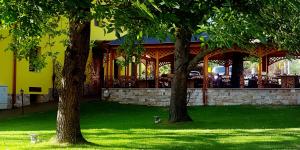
point(178, 104)
point(68, 115)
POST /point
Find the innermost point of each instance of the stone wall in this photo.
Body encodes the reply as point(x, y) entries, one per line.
point(253, 96)
point(40, 98)
point(26, 100)
point(9, 105)
point(151, 96)
point(161, 96)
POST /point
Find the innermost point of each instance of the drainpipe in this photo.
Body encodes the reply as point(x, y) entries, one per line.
point(14, 81)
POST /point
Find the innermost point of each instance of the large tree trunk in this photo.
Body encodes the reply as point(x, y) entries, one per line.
point(178, 104)
point(237, 70)
point(68, 115)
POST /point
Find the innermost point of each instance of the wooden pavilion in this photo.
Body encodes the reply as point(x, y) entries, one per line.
point(159, 53)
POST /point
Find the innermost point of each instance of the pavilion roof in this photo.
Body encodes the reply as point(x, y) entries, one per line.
point(151, 40)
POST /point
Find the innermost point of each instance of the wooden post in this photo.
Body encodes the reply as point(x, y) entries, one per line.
point(227, 70)
point(128, 75)
point(125, 75)
point(157, 70)
point(107, 61)
point(135, 70)
point(140, 70)
point(205, 80)
point(146, 73)
point(267, 65)
point(111, 68)
point(100, 75)
point(127, 72)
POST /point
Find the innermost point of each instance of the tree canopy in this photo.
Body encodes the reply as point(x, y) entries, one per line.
point(275, 23)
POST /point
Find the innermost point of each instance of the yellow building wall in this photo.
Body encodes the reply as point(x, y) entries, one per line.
point(6, 63)
point(26, 78)
point(43, 78)
point(97, 33)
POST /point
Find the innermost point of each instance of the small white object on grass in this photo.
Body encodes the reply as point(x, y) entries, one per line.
point(33, 138)
point(156, 119)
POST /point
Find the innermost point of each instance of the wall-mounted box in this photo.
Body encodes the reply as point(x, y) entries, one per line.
point(4, 102)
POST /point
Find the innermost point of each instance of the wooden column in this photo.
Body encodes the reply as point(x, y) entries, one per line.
point(135, 66)
point(133, 70)
point(107, 65)
point(101, 74)
point(205, 80)
point(127, 72)
point(111, 62)
point(227, 70)
point(140, 70)
point(259, 82)
point(267, 65)
point(125, 75)
point(128, 75)
point(157, 70)
point(146, 73)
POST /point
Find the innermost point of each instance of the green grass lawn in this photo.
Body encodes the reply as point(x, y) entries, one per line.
point(115, 126)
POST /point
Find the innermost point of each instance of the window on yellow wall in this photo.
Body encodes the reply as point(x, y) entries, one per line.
point(34, 54)
point(96, 23)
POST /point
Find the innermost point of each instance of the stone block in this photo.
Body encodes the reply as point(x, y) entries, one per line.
point(26, 100)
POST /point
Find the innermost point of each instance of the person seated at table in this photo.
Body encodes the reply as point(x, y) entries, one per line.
point(253, 82)
point(219, 81)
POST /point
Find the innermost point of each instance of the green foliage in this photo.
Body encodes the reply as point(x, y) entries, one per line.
point(229, 27)
point(151, 18)
point(271, 23)
point(282, 21)
point(165, 69)
point(295, 67)
point(245, 23)
point(252, 59)
point(28, 21)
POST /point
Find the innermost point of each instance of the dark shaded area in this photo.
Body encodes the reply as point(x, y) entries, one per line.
point(96, 114)
point(237, 70)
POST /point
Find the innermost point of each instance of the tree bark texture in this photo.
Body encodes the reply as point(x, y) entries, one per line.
point(68, 115)
point(178, 104)
point(237, 70)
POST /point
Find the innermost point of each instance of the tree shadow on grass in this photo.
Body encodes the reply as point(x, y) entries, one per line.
point(97, 115)
point(195, 139)
point(170, 139)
